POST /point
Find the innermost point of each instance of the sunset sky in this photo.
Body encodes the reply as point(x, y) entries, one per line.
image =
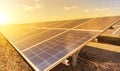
point(28, 11)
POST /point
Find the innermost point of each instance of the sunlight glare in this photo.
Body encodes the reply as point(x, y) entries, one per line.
point(4, 19)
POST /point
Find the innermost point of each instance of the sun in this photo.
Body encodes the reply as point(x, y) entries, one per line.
point(4, 19)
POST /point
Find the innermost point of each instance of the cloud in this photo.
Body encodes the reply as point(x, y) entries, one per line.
point(71, 7)
point(67, 8)
point(28, 7)
point(101, 9)
point(86, 10)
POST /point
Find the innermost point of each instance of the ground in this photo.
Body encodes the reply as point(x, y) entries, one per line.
point(90, 59)
point(10, 60)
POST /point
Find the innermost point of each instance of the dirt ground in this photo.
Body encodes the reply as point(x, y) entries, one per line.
point(10, 60)
point(90, 59)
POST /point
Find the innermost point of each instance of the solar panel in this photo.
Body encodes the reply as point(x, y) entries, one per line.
point(44, 48)
point(52, 24)
point(31, 40)
point(38, 25)
point(47, 24)
point(98, 23)
point(25, 35)
point(73, 23)
point(53, 50)
point(15, 31)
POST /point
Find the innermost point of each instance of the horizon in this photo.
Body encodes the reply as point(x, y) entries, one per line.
point(56, 20)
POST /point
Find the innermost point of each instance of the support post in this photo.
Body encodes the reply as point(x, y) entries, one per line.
point(74, 59)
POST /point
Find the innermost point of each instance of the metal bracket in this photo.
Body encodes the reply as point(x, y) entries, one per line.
point(111, 27)
point(66, 62)
point(95, 40)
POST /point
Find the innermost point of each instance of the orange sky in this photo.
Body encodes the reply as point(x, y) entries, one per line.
point(27, 11)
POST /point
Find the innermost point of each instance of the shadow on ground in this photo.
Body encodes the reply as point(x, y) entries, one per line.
point(94, 59)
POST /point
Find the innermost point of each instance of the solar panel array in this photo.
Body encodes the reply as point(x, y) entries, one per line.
point(45, 45)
